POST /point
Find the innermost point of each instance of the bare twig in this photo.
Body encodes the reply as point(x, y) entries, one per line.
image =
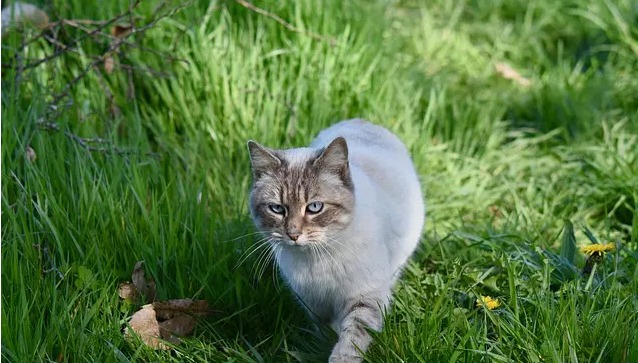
point(88, 34)
point(89, 143)
point(286, 24)
point(64, 43)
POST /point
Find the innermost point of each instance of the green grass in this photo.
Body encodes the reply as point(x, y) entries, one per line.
point(514, 176)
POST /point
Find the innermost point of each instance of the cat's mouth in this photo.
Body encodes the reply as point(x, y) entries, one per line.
point(298, 243)
point(295, 244)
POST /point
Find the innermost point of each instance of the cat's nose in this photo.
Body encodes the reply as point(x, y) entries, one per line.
point(294, 235)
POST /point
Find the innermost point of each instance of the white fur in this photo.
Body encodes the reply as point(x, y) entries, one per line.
point(385, 230)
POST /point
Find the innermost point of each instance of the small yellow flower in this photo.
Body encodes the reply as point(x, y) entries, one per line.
point(488, 302)
point(599, 249)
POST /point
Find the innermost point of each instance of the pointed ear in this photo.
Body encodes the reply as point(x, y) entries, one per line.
point(334, 155)
point(335, 158)
point(262, 159)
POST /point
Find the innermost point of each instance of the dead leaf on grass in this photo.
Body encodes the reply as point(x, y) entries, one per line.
point(495, 211)
point(146, 289)
point(121, 30)
point(109, 64)
point(178, 326)
point(169, 309)
point(145, 325)
point(167, 320)
point(507, 72)
point(161, 320)
point(128, 292)
point(30, 153)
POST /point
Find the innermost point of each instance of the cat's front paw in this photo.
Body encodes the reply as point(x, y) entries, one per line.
point(345, 353)
point(337, 358)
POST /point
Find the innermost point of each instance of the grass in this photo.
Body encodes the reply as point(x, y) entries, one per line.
point(516, 177)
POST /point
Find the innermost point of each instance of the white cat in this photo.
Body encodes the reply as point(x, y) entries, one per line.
point(343, 215)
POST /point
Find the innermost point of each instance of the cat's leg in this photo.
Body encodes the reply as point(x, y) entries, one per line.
point(354, 337)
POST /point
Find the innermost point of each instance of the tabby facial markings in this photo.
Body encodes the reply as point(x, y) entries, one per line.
point(294, 186)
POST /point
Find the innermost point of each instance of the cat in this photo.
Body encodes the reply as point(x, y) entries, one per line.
point(342, 216)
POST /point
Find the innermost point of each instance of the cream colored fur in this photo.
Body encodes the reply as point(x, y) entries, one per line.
point(353, 285)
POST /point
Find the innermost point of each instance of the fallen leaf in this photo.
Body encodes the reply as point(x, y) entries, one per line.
point(507, 72)
point(144, 324)
point(168, 309)
point(496, 212)
point(151, 291)
point(167, 320)
point(139, 278)
point(30, 153)
point(109, 64)
point(147, 289)
point(128, 292)
point(180, 325)
point(121, 30)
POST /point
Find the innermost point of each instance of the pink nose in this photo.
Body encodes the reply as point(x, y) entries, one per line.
point(293, 235)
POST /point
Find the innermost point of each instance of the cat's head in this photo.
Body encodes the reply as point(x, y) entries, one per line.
point(301, 196)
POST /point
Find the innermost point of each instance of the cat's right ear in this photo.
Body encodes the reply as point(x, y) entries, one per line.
point(262, 159)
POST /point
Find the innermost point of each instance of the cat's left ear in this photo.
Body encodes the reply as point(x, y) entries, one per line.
point(335, 158)
point(262, 159)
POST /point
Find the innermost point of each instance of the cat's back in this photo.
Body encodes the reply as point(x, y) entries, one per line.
point(386, 183)
point(361, 135)
point(377, 152)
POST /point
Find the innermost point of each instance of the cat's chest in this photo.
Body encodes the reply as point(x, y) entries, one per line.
point(325, 278)
point(309, 275)
point(322, 288)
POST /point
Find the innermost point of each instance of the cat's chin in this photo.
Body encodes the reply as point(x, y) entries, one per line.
point(297, 244)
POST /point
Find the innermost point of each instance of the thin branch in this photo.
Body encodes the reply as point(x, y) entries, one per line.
point(286, 24)
point(88, 143)
point(88, 34)
point(91, 31)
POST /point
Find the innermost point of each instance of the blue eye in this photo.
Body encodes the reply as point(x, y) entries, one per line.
point(277, 208)
point(314, 207)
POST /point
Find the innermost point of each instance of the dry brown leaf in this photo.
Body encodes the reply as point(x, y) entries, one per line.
point(167, 320)
point(151, 291)
point(147, 289)
point(495, 210)
point(139, 278)
point(128, 291)
point(109, 65)
point(507, 72)
point(144, 324)
point(30, 153)
point(121, 30)
point(168, 309)
point(180, 325)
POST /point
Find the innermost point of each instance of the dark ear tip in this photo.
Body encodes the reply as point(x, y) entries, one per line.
point(340, 141)
point(251, 144)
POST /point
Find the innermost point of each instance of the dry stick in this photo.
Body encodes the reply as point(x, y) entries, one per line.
point(164, 55)
point(87, 143)
point(286, 24)
point(170, 12)
point(55, 107)
point(88, 34)
point(115, 45)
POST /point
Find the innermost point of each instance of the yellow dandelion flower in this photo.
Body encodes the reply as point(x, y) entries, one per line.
point(599, 249)
point(488, 302)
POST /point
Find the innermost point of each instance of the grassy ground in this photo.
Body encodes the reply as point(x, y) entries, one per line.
point(516, 173)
